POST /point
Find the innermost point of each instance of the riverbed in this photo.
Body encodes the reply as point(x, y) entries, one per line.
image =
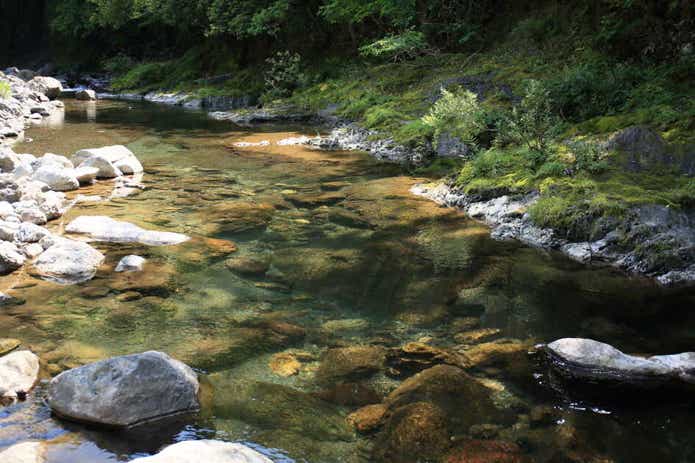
point(298, 251)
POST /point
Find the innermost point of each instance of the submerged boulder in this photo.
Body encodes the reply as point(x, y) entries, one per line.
point(19, 371)
point(86, 95)
point(68, 261)
point(125, 391)
point(102, 228)
point(594, 361)
point(208, 451)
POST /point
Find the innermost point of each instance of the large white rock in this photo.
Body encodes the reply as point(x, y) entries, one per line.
point(86, 175)
point(125, 391)
point(29, 211)
point(596, 361)
point(28, 232)
point(102, 228)
point(25, 452)
point(105, 168)
point(19, 371)
point(207, 451)
point(49, 86)
point(52, 204)
point(10, 257)
point(67, 261)
point(57, 178)
point(49, 159)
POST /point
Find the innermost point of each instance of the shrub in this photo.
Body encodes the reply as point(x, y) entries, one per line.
point(284, 74)
point(396, 47)
point(5, 90)
point(533, 123)
point(119, 64)
point(457, 113)
point(142, 76)
point(588, 157)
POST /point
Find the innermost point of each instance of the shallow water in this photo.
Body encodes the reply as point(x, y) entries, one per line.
point(344, 241)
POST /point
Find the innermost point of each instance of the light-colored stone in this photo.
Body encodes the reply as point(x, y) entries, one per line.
point(131, 263)
point(49, 86)
point(86, 175)
point(102, 228)
point(10, 257)
point(596, 361)
point(105, 169)
point(207, 451)
point(19, 371)
point(30, 233)
point(125, 391)
point(24, 452)
point(67, 261)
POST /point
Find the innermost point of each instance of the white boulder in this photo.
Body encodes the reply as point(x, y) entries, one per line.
point(208, 451)
point(131, 263)
point(24, 452)
point(19, 371)
point(102, 228)
point(67, 261)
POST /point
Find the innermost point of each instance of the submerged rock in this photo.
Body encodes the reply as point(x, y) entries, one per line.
point(414, 432)
point(125, 391)
point(131, 264)
point(19, 372)
point(367, 418)
point(8, 345)
point(486, 451)
point(86, 95)
point(67, 261)
point(25, 452)
point(208, 451)
point(102, 228)
point(593, 361)
point(351, 362)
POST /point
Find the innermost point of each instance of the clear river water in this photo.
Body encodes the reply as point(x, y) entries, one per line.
point(332, 251)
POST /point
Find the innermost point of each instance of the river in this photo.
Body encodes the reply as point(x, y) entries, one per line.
point(332, 252)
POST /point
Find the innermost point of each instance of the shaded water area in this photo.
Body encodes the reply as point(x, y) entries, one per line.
point(332, 252)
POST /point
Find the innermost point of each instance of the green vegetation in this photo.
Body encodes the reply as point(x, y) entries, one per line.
point(5, 90)
point(532, 90)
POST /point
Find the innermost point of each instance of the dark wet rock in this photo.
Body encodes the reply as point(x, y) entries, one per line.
point(102, 228)
point(414, 432)
point(273, 406)
point(350, 363)
point(247, 266)
point(452, 389)
point(449, 146)
point(24, 452)
point(644, 146)
point(543, 415)
point(486, 451)
point(86, 95)
point(125, 391)
point(7, 300)
point(208, 451)
point(68, 261)
point(484, 431)
point(95, 292)
point(353, 394)
point(19, 371)
point(596, 362)
point(368, 419)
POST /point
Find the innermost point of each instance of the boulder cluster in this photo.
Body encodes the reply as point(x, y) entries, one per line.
point(28, 98)
point(32, 194)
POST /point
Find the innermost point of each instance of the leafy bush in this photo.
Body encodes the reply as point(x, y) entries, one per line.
point(457, 113)
point(142, 76)
point(284, 74)
point(535, 30)
point(5, 90)
point(588, 157)
point(592, 89)
point(532, 122)
point(397, 47)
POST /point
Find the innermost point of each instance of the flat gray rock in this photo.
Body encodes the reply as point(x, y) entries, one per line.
point(208, 451)
point(596, 361)
point(19, 371)
point(102, 228)
point(67, 261)
point(125, 391)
